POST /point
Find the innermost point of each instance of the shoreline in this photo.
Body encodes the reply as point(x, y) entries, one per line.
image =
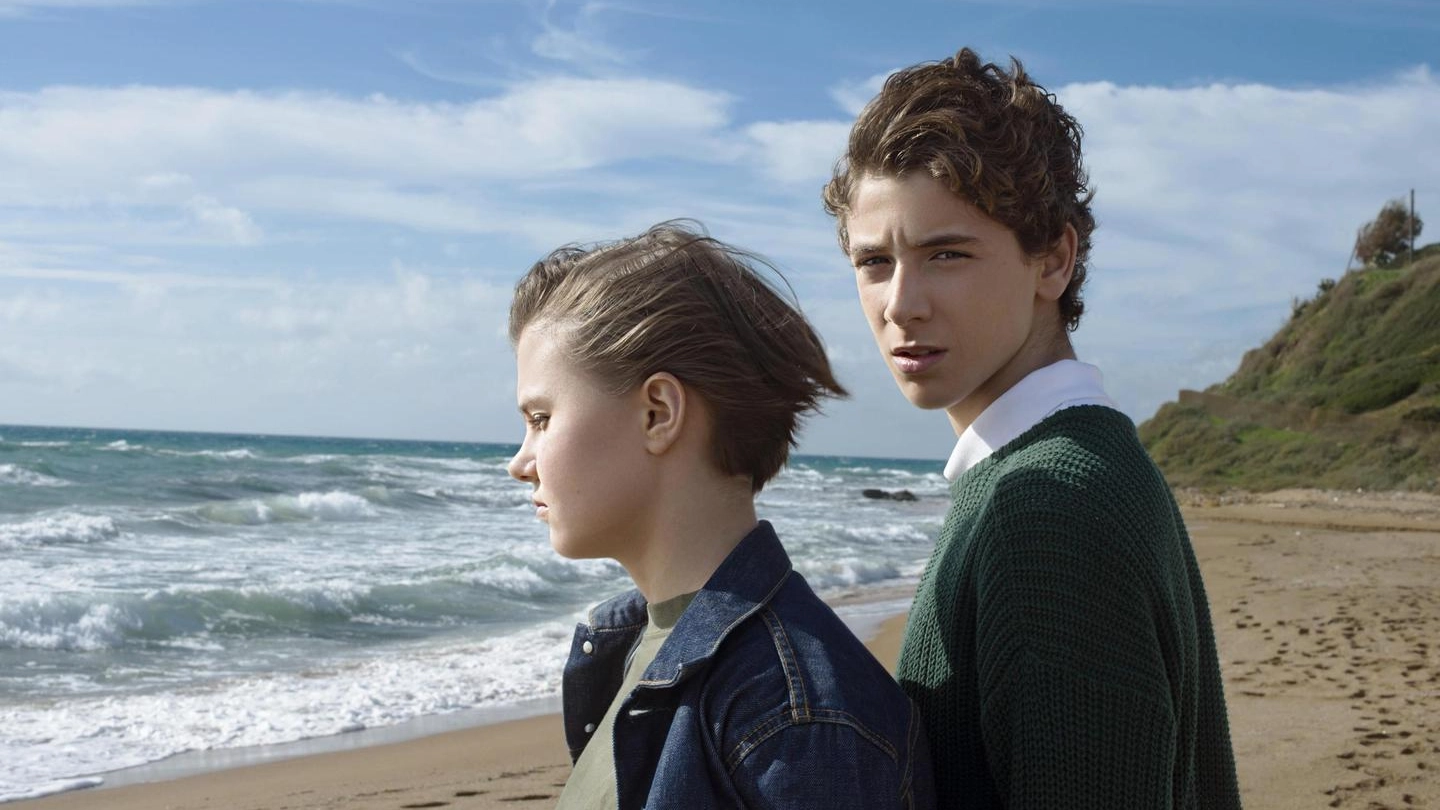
point(514, 736)
point(1325, 614)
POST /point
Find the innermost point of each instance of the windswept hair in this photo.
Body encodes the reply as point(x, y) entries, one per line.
point(675, 300)
point(996, 138)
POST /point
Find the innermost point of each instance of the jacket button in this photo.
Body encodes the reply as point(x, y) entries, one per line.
point(587, 648)
point(589, 728)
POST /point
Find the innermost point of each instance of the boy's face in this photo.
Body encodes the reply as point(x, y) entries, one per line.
point(959, 311)
point(583, 451)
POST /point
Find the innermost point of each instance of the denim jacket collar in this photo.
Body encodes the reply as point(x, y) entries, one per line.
point(745, 581)
point(729, 714)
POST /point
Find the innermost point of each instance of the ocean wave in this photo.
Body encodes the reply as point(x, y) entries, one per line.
point(15, 474)
point(859, 553)
point(48, 788)
point(66, 624)
point(51, 742)
point(428, 464)
point(508, 497)
point(307, 506)
point(58, 530)
point(885, 535)
point(545, 563)
point(513, 580)
point(224, 617)
point(234, 455)
point(850, 571)
point(312, 458)
point(182, 618)
point(931, 476)
point(806, 477)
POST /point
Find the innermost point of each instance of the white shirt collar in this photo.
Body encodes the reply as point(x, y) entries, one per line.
point(1042, 392)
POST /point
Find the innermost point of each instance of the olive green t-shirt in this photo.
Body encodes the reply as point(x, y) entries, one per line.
point(591, 785)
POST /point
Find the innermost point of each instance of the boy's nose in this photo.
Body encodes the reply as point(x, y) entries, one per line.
point(522, 466)
point(905, 300)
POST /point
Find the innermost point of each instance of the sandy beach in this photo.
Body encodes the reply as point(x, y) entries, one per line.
point(1327, 616)
point(1328, 620)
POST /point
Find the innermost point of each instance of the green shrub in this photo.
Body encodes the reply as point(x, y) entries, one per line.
point(1423, 414)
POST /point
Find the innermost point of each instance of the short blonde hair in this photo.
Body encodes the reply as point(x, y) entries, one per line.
point(675, 300)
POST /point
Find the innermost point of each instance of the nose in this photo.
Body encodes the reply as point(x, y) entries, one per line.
point(522, 465)
point(906, 299)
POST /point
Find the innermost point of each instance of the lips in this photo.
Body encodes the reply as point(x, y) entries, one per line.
point(542, 510)
point(916, 359)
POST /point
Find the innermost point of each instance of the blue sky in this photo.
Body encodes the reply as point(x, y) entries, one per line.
point(305, 216)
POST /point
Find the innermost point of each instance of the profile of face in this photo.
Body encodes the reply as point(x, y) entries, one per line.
point(584, 452)
point(958, 309)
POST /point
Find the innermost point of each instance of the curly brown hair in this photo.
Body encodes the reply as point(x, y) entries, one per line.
point(996, 138)
point(675, 300)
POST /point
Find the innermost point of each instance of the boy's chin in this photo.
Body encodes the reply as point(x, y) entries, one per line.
point(570, 552)
point(925, 400)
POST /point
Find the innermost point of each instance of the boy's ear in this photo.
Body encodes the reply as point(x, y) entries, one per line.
point(1057, 265)
point(663, 399)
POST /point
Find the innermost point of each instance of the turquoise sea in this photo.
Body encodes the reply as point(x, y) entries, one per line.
point(174, 592)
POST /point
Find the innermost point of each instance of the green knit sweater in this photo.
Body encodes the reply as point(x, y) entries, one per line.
point(1060, 645)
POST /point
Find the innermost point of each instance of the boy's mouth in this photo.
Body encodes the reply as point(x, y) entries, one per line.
point(916, 359)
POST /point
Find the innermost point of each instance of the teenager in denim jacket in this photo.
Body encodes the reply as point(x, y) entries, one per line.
point(661, 380)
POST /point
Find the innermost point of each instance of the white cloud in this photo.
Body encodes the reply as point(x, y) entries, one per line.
point(83, 137)
point(582, 44)
point(853, 96)
point(28, 309)
point(225, 222)
point(799, 152)
point(279, 356)
point(167, 165)
point(1217, 205)
point(1223, 197)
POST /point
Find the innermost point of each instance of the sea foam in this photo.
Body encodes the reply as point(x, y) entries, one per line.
point(57, 529)
point(15, 474)
point(61, 624)
point(333, 505)
point(66, 742)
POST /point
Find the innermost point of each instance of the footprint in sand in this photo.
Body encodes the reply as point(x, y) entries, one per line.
point(459, 794)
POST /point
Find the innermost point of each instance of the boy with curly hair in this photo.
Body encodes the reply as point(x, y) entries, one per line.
point(1060, 644)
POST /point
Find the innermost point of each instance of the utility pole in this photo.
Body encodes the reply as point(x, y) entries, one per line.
point(1412, 226)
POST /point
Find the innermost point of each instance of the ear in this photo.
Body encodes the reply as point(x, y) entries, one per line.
point(1057, 265)
point(663, 399)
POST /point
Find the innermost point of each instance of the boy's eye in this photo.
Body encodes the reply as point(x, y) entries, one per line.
point(538, 420)
point(951, 254)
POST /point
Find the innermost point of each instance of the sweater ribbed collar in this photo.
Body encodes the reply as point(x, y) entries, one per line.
point(1042, 392)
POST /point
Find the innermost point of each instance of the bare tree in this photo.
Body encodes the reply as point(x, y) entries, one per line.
point(1388, 236)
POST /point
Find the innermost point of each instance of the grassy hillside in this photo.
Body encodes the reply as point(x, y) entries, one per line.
point(1345, 395)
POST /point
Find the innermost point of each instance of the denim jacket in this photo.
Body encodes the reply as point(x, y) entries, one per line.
point(760, 697)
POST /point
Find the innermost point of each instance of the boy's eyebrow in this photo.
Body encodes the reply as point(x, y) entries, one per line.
point(937, 240)
point(953, 238)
